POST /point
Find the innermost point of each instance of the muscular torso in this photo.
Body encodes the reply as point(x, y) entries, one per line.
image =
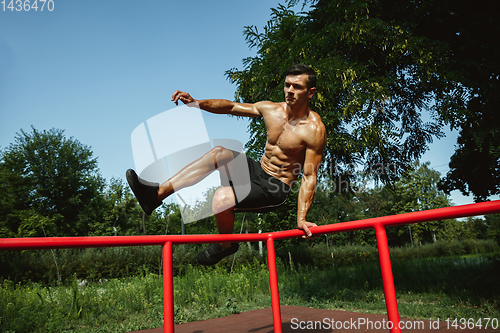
point(287, 141)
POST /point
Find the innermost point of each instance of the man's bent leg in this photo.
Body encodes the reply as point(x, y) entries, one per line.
point(196, 171)
point(151, 196)
point(223, 208)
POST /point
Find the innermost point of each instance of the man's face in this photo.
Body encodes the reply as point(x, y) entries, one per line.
point(296, 92)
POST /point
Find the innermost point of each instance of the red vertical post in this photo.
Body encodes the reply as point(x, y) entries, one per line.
point(168, 289)
point(387, 278)
point(273, 281)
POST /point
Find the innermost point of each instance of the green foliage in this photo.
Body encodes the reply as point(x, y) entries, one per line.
point(120, 212)
point(90, 264)
point(418, 190)
point(441, 249)
point(493, 221)
point(50, 186)
point(471, 34)
point(373, 80)
point(322, 256)
point(380, 65)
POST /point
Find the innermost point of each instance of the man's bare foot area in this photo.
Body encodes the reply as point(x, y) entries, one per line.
point(164, 191)
point(225, 245)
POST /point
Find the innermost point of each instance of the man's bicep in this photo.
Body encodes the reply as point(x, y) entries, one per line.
point(314, 155)
point(312, 161)
point(252, 110)
point(246, 110)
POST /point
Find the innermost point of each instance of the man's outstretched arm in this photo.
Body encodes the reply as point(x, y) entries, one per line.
point(222, 106)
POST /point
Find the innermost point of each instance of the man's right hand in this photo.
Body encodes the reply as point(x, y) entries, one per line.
point(184, 97)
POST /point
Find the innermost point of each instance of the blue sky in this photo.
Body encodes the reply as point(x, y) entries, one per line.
point(98, 69)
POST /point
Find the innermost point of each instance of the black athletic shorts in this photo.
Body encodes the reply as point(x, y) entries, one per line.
point(266, 193)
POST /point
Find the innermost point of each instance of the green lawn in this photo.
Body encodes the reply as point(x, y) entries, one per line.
point(429, 288)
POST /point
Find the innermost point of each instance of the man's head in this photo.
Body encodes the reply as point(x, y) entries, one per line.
point(298, 69)
point(300, 84)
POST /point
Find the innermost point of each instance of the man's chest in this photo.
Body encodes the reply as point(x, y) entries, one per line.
point(289, 138)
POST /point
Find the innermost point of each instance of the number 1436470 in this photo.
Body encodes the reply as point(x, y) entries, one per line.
point(27, 5)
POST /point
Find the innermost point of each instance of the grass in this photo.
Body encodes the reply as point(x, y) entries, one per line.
point(427, 288)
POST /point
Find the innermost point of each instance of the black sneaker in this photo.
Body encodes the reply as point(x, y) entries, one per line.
point(147, 195)
point(214, 253)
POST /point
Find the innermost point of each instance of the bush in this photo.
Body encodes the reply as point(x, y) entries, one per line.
point(95, 264)
point(446, 249)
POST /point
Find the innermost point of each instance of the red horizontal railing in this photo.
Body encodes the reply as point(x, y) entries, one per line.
point(378, 223)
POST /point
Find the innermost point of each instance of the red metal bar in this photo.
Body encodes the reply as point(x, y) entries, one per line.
point(168, 289)
point(483, 208)
point(387, 278)
point(273, 281)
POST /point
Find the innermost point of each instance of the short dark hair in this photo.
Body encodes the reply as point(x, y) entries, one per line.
point(298, 69)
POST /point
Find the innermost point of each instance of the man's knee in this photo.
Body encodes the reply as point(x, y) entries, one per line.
point(221, 156)
point(223, 200)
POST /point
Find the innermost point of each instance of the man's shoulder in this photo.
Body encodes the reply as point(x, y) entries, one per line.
point(268, 105)
point(317, 128)
point(315, 121)
point(270, 109)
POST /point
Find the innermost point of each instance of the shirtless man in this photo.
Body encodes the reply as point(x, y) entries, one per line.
point(296, 137)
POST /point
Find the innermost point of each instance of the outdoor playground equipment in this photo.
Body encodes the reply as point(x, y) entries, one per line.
point(378, 223)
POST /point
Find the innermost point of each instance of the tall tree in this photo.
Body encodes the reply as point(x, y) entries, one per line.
point(121, 214)
point(48, 176)
point(418, 190)
point(493, 222)
point(471, 35)
point(380, 64)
